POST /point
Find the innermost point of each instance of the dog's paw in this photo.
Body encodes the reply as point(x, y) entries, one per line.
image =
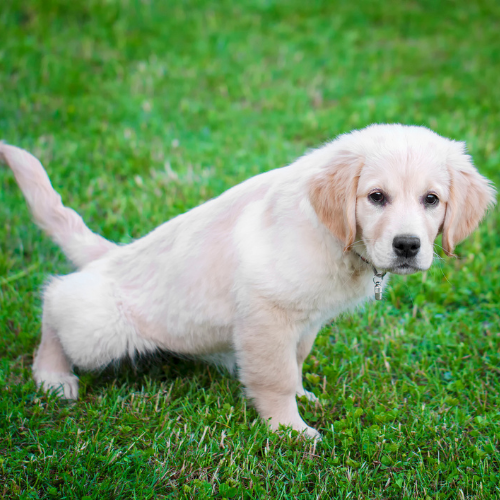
point(299, 430)
point(64, 385)
point(311, 396)
point(312, 433)
point(308, 395)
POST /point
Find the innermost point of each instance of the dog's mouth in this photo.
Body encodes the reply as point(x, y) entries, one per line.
point(405, 268)
point(401, 266)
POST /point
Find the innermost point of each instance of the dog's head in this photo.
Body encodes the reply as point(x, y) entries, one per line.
point(387, 191)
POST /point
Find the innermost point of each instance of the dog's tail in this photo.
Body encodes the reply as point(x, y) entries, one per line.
point(63, 224)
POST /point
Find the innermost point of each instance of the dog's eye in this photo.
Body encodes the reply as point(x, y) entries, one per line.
point(431, 200)
point(377, 197)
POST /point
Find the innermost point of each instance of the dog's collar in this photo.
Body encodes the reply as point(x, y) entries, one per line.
point(377, 278)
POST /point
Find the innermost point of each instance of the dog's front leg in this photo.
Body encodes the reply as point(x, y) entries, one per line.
point(266, 347)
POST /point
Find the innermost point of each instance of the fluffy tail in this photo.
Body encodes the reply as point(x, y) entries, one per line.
point(63, 224)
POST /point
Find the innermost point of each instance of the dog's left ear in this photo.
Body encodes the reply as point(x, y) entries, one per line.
point(333, 196)
point(471, 195)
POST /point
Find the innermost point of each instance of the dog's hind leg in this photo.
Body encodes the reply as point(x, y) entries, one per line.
point(86, 324)
point(52, 368)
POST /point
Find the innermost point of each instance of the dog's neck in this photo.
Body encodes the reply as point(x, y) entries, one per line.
point(378, 277)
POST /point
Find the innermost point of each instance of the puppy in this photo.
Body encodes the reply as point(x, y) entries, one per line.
point(247, 279)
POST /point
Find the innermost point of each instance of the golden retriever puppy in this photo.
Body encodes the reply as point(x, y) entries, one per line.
point(247, 279)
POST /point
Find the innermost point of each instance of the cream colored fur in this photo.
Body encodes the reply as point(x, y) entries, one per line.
point(247, 279)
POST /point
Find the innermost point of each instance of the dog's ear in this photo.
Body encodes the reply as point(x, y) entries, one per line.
point(470, 196)
point(333, 196)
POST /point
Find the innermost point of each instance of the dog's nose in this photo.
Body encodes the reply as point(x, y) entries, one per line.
point(406, 245)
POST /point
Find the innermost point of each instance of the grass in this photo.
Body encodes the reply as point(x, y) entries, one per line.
point(142, 110)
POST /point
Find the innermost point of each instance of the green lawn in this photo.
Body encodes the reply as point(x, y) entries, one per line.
point(142, 110)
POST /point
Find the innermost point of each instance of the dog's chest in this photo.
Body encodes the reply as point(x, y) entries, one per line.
point(343, 289)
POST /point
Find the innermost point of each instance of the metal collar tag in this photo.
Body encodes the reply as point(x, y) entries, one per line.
point(377, 278)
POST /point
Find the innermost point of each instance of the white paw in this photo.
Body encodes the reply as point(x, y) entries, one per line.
point(312, 433)
point(305, 432)
point(308, 395)
point(301, 427)
point(64, 385)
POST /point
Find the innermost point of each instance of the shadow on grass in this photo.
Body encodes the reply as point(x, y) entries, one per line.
point(153, 370)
